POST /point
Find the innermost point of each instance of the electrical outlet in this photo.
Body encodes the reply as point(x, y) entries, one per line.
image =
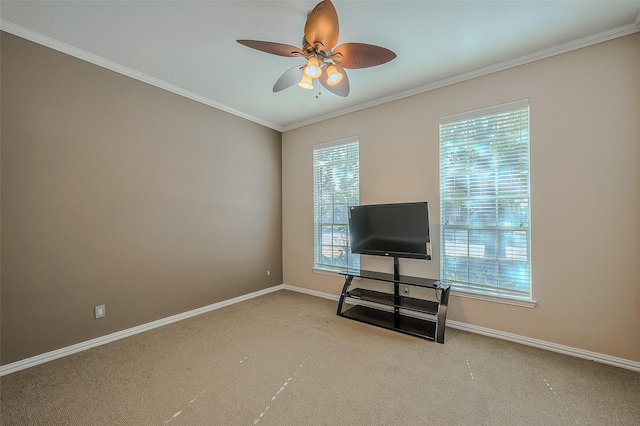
point(100, 311)
point(268, 273)
point(405, 290)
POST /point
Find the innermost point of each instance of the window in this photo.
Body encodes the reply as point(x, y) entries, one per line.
point(485, 240)
point(336, 185)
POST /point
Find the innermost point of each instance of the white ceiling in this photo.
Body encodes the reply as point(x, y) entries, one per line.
point(189, 47)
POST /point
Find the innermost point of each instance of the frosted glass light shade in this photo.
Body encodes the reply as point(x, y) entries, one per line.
point(333, 76)
point(306, 82)
point(313, 69)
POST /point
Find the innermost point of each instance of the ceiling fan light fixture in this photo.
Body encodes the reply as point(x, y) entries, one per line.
point(313, 69)
point(333, 76)
point(323, 55)
point(306, 82)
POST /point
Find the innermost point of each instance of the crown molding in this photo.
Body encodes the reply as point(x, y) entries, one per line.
point(480, 72)
point(501, 66)
point(120, 69)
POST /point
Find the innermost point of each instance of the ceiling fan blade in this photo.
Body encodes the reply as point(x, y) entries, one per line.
point(322, 26)
point(289, 78)
point(273, 48)
point(340, 89)
point(361, 55)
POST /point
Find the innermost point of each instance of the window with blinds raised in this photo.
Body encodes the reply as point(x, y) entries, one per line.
point(485, 240)
point(336, 185)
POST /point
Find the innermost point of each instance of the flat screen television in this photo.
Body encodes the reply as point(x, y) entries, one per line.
point(395, 230)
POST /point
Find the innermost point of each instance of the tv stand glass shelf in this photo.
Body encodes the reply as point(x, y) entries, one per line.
point(419, 317)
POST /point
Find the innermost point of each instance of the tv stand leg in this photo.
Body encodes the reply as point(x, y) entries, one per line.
point(343, 294)
point(442, 315)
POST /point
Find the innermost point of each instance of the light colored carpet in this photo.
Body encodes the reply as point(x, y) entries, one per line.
point(287, 359)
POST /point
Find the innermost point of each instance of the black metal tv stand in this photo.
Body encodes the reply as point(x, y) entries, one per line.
point(418, 317)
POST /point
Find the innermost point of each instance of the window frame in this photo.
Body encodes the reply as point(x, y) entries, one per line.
point(339, 245)
point(469, 288)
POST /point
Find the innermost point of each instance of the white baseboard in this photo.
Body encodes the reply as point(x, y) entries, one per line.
point(79, 347)
point(311, 292)
point(59, 353)
point(553, 347)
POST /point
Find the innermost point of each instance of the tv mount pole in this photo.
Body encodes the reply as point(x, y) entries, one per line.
point(396, 268)
point(396, 291)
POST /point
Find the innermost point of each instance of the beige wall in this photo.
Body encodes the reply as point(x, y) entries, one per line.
point(585, 181)
point(117, 192)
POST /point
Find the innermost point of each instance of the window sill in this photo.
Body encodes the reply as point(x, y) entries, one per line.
point(329, 272)
point(325, 271)
point(494, 298)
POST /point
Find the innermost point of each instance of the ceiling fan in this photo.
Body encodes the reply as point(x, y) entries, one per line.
point(325, 61)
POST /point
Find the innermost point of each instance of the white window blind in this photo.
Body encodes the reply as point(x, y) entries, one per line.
point(485, 241)
point(336, 185)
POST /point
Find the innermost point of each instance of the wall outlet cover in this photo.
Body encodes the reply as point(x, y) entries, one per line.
point(100, 311)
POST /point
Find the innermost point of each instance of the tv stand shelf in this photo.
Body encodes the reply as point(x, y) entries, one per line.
point(418, 305)
point(418, 317)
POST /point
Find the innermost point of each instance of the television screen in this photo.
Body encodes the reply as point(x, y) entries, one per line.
point(398, 230)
